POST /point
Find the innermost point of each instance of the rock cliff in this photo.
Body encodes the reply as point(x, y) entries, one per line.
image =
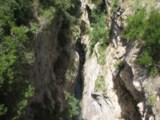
point(109, 83)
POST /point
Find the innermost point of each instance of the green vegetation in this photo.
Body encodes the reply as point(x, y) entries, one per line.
point(15, 35)
point(19, 21)
point(136, 26)
point(100, 84)
point(99, 32)
point(48, 13)
point(72, 108)
point(59, 5)
point(145, 59)
point(101, 51)
point(118, 65)
point(3, 109)
point(114, 5)
point(28, 92)
point(73, 105)
point(146, 28)
point(153, 71)
point(152, 100)
point(48, 9)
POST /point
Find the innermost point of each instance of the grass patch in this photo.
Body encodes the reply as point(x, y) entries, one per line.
point(152, 100)
point(101, 51)
point(100, 84)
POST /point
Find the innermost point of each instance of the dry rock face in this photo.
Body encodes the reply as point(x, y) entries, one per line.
point(129, 90)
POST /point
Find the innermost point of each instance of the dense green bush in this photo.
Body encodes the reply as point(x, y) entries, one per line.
point(50, 8)
point(136, 26)
point(71, 110)
point(152, 100)
point(145, 59)
point(15, 35)
point(99, 32)
point(146, 28)
point(58, 4)
point(73, 105)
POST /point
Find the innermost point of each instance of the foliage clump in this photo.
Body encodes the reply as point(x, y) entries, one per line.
point(146, 29)
point(72, 109)
point(99, 32)
point(15, 35)
point(98, 23)
point(101, 51)
point(73, 105)
point(49, 9)
point(136, 26)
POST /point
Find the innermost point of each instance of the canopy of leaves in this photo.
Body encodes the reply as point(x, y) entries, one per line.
point(146, 28)
point(14, 38)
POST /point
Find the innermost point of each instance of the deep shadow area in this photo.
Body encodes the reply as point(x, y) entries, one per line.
point(79, 79)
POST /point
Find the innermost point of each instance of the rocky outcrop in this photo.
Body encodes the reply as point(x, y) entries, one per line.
point(125, 80)
point(55, 70)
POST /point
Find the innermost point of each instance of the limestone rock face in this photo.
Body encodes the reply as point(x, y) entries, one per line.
point(128, 89)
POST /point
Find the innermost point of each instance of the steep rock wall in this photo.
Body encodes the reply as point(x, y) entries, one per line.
point(55, 70)
point(65, 65)
point(126, 94)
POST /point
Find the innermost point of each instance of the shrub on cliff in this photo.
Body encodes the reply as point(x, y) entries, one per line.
point(99, 31)
point(72, 109)
point(73, 105)
point(146, 28)
point(136, 26)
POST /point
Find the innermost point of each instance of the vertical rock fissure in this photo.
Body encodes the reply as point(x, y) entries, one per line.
point(127, 102)
point(79, 78)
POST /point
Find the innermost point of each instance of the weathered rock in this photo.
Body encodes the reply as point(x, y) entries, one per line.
point(63, 64)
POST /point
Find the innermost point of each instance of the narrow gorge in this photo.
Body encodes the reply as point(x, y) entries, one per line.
point(85, 60)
